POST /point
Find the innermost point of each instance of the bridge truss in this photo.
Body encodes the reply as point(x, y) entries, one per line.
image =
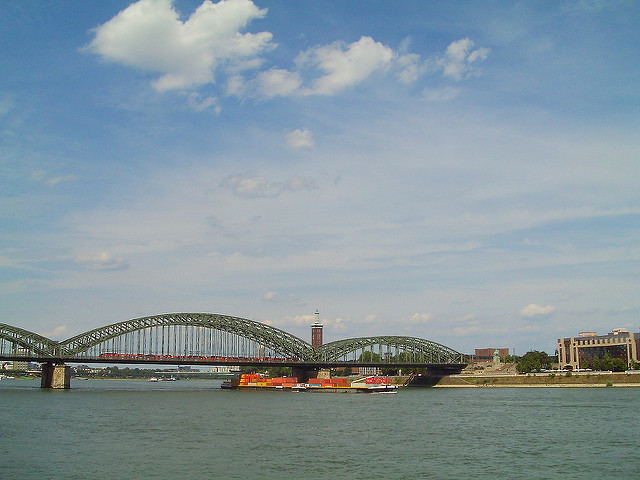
point(193, 338)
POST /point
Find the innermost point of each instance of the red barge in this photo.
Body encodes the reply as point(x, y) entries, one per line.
point(254, 381)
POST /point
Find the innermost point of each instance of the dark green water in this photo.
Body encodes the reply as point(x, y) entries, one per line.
point(193, 430)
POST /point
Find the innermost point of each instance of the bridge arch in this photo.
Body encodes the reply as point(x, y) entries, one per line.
point(391, 349)
point(271, 338)
point(31, 342)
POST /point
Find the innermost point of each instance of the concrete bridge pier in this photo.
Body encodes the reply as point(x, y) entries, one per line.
point(56, 376)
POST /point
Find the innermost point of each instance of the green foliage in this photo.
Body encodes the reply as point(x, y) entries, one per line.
point(369, 356)
point(619, 365)
point(279, 371)
point(115, 372)
point(607, 363)
point(534, 361)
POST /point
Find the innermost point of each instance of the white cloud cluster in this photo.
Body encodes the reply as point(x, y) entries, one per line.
point(260, 187)
point(536, 311)
point(150, 35)
point(459, 57)
point(103, 261)
point(344, 66)
point(299, 139)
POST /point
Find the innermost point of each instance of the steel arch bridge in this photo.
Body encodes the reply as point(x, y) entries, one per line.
point(215, 339)
point(389, 349)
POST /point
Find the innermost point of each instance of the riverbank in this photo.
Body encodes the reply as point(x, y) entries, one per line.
point(582, 379)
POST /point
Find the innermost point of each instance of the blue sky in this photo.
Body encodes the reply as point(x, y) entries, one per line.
point(465, 172)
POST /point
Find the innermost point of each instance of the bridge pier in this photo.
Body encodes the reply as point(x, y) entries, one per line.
point(304, 373)
point(56, 376)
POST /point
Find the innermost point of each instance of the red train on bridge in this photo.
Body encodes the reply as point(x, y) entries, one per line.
point(193, 358)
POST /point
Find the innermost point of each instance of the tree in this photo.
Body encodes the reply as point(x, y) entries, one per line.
point(607, 363)
point(369, 356)
point(534, 361)
point(619, 365)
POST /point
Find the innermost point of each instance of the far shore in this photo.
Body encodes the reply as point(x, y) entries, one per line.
point(595, 379)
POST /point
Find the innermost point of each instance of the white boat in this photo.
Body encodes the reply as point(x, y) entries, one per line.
point(152, 379)
point(376, 389)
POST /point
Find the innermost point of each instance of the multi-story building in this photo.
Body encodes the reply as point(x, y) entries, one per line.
point(580, 352)
point(487, 354)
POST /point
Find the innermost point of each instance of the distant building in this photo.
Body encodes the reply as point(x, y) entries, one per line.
point(486, 354)
point(580, 352)
point(20, 364)
point(225, 369)
point(366, 370)
point(316, 331)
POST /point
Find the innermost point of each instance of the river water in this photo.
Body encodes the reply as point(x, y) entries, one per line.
point(108, 429)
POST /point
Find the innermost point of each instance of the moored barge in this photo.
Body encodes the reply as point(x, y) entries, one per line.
point(253, 381)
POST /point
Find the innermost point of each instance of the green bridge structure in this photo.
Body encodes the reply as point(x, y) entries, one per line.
point(215, 339)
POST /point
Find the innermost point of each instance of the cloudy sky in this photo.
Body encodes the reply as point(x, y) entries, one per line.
point(465, 172)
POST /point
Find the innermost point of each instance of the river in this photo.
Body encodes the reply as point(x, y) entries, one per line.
point(109, 429)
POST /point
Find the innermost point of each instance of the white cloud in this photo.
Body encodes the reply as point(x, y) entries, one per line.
point(260, 187)
point(337, 325)
point(297, 321)
point(103, 261)
point(278, 82)
point(345, 65)
point(298, 184)
point(300, 138)
point(459, 56)
point(410, 67)
point(199, 104)
point(43, 176)
point(418, 318)
point(58, 332)
point(536, 311)
point(440, 94)
point(150, 35)
point(251, 187)
point(270, 296)
point(60, 179)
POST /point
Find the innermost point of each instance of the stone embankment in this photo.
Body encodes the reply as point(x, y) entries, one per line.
point(579, 379)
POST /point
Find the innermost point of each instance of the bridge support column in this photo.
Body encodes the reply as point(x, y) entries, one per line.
point(57, 376)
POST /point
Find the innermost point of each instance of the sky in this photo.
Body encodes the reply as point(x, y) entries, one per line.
point(465, 172)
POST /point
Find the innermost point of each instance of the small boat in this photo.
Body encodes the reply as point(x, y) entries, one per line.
point(152, 379)
point(378, 389)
